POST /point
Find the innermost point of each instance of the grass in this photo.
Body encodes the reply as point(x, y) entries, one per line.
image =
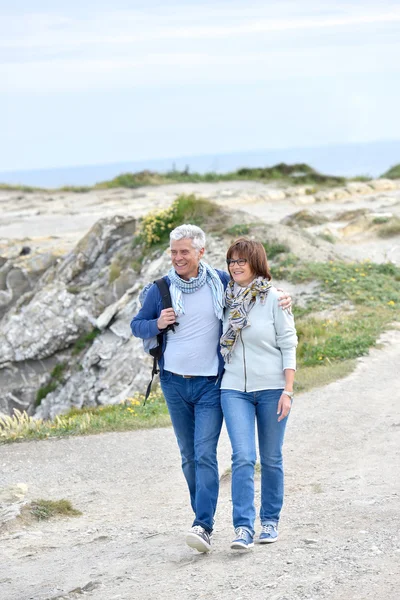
point(392, 173)
point(389, 228)
point(308, 378)
point(273, 249)
point(56, 377)
point(85, 340)
point(305, 218)
point(327, 237)
point(127, 416)
point(373, 290)
point(299, 173)
point(42, 510)
point(238, 230)
point(114, 272)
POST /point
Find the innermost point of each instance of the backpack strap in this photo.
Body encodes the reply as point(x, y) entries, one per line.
point(157, 351)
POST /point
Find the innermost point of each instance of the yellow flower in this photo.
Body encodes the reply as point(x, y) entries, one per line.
point(391, 303)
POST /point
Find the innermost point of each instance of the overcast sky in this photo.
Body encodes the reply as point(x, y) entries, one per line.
point(86, 82)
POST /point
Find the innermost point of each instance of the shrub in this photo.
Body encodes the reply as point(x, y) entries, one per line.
point(46, 509)
point(390, 228)
point(155, 227)
point(274, 248)
point(392, 173)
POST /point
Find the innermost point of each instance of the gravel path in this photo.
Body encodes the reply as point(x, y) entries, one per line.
point(340, 528)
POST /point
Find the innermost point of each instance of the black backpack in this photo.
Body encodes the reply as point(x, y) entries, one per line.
point(156, 351)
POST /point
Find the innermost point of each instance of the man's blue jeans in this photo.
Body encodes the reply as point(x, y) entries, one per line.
point(194, 405)
point(241, 411)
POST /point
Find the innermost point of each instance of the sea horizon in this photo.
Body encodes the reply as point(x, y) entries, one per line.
point(347, 160)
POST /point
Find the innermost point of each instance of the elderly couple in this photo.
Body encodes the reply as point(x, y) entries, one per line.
point(238, 364)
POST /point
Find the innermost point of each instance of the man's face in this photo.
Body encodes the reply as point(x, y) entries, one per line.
point(185, 259)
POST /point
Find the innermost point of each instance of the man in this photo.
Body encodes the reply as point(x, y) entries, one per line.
point(191, 367)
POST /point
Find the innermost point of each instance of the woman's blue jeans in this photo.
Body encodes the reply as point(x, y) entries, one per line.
point(194, 405)
point(241, 411)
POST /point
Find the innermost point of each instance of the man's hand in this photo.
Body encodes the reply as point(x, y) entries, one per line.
point(285, 300)
point(167, 317)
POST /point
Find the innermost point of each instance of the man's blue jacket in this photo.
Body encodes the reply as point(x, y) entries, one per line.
point(144, 325)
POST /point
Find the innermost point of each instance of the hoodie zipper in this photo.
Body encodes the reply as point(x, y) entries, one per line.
point(244, 363)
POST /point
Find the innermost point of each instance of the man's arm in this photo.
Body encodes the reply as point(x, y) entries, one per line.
point(144, 325)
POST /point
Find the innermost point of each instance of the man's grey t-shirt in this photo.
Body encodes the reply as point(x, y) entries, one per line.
point(192, 349)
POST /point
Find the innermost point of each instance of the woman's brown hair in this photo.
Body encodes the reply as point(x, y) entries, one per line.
point(254, 253)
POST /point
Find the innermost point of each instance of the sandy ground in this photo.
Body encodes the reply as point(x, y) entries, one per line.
point(340, 528)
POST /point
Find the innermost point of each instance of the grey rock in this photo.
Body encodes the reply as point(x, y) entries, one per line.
point(50, 322)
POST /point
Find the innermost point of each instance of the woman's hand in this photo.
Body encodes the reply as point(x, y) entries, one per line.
point(284, 406)
point(285, 300)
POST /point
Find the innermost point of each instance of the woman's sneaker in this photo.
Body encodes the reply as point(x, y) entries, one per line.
point(269, 533)
point(243, 539)
point(199, 539)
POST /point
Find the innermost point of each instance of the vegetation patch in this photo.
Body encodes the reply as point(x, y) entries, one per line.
point(238, 230)
point(389, 228)
point(299, 173)
point(304, 218)
point(43, 510)
point(327, 237)
point(274, 248)
point(129, 415)
point(155, 227)
point(56, 377)
point(114, 272)
point(349, 215)
point(85, 340)
point(373, 290)
point(392, 173)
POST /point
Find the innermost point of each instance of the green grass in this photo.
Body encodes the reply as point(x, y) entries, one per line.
point(56, 378)
point(127, 416)
point(373, 290)
point(327, 237)
point(85, 340)
point(299, 173)
point(273, 249)
point(114, 272)
point(308, 378)
point(389, 228)
point(392, 173)
point(238, 230)
point(42, 510)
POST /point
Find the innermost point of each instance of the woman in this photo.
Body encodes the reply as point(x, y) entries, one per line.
point(259, 347)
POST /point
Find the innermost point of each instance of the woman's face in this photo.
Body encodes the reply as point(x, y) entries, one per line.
point(241, 273)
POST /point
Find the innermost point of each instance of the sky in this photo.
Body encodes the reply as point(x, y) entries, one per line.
point(89, 82)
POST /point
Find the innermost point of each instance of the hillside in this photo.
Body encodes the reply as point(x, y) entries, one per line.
point(77, 289)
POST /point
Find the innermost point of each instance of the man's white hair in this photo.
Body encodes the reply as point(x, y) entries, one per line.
point(189, 232)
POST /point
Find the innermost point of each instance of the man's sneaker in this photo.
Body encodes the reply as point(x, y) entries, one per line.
point(243, 539)
point(269, 533)
point(199, 539)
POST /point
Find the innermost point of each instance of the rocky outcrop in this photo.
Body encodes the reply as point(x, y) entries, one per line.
point(60, 302)
point(65, 316)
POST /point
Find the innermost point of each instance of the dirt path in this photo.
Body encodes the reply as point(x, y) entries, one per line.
point(340, 528)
